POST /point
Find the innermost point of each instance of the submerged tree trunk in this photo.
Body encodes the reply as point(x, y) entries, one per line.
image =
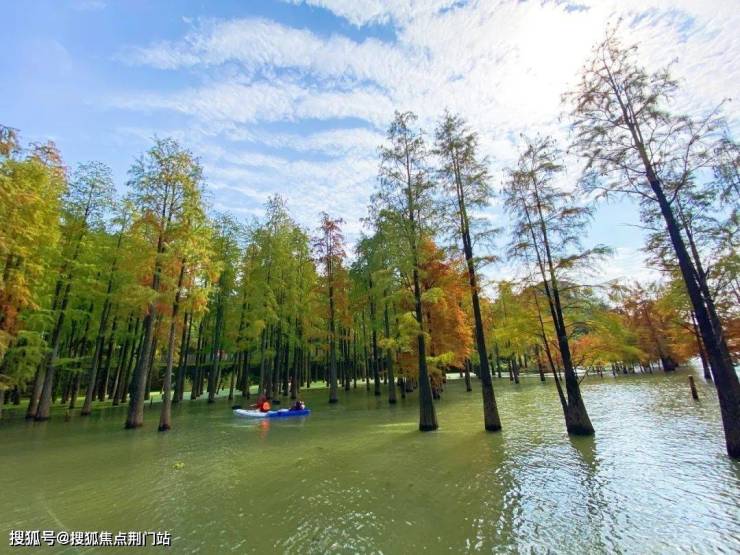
point(700, 347)
point(165, 417)
point(214, 375)
point(466, 374)
point(105, 379)
point(135, 417)
point(89, 395)
point(427, 413)
point(97, 354)
point(723, 371)
point(710, 328)
point(45, 400)
point(74, 390)
point(491, 419)
point(120, 393)
point(263, 347)
point(389, 360)
point(199, 347)
point(332, 346)
point(187, 329)
point(514, 368)
point(151, 366)
point(247, 383)
point(232, 377)
point(577, 421)
point(43, 405)
point(375, 355)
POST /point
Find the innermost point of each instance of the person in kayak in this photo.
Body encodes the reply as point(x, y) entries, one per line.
point(298, 405)
point(262, 405)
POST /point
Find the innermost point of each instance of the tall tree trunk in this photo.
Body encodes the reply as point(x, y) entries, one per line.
point(40, 375)
point(245, 374)
point(275, 364)
point(389, 359)
point(700, 347)
point(365, 353)
point(194, 391)
point(466, 372)
point(285, 366)
point(723, 371)
point(152, 357)
point(44, 403)
point(718, 354)
point(38, 384)
point(539, 363)
point(74, 390)
point(332, 342)
point(187, 330)
point(93, 377)
point(214, 376)
point(120, 393)
point(135, 418)
point(427, 414)
point(165, 417)
point(263, 377)
point(137, 392)
point(97, 353)
point(375, 354)
point(577, 421)
point(491, 419)
point(122, 356)
point(108, 360)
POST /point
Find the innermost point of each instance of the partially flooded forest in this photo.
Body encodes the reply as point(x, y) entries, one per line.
point(121, 305)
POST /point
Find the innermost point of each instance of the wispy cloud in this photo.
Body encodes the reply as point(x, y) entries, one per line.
point(279, 100)
point(502, 65)
point(257, 43)
point(363, 12)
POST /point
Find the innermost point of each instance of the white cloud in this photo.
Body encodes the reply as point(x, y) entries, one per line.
point(363, 12)
point(503, 65)
point(257, 43)
point(279, 100)
point(340, 186)
point(627, 265)
point(334, 142)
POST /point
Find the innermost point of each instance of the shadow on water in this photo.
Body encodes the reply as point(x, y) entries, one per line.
point(585, 447)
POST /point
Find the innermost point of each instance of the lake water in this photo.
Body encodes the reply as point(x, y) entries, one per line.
point(357, 477)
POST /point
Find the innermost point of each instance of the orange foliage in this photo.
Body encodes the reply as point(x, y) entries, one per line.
point(446, 324)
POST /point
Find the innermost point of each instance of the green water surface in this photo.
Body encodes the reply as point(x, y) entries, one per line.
point(357, 477)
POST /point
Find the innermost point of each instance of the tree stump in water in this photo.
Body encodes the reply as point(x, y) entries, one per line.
point(694, 393)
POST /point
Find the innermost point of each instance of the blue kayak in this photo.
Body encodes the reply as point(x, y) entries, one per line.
point(282, 413)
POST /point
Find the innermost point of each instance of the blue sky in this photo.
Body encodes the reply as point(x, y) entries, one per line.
point(292, 96)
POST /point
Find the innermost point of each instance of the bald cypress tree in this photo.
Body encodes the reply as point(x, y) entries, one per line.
point(634, 145)
point(86, 202)
point(466, 181)
point(163, 182)
point(329, 248)
point(404, 202)
point(548, 222)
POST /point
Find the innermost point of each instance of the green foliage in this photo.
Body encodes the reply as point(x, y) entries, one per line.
point(22, 359)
